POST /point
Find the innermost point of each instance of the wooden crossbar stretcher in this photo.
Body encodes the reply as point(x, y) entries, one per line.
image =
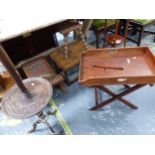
point(117, 66)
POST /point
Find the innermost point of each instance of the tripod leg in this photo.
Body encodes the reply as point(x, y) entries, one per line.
point(51, 113)
point(50, 127)
point(34, 127)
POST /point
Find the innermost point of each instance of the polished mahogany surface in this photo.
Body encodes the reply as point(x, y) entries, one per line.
point(117, 66)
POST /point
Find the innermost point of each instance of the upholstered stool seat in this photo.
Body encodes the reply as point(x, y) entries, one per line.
point(143, 21)
point(39, 67)
point(100, 23)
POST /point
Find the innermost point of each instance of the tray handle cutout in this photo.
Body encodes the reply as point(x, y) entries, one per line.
point(121, 79)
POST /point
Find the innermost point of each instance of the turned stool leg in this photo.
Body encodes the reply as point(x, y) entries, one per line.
point(62, 87)
point(65, 45)
point(97, 39)
point(83, 39)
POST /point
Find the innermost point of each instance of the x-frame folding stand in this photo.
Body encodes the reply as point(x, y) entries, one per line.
point(115, 96)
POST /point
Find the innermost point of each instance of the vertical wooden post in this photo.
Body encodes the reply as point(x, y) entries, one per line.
point(97, 100)
point(83, 39)
point(66, 45)
point(105, 31)
point(116, 32)
point(86, 25)
point(126, 31)
point(11, 69)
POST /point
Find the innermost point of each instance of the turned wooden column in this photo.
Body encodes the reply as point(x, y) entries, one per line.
point(11, 69)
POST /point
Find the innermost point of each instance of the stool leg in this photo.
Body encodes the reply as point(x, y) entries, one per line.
point(124, 43)
point(75, 35)
point(65, 45)
point(66, 78)
point(140, 36)
point(83, 39)
point(97, 40)
point(61, 86)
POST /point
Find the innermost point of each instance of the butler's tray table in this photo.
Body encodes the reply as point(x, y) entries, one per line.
point(118, 66)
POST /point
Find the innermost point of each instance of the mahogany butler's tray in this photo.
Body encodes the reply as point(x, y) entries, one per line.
point(117, 66)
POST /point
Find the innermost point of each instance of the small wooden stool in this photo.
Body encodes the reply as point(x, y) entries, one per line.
point(66, 29)
point(140, 25)
point(66, 65)
point(39, 67)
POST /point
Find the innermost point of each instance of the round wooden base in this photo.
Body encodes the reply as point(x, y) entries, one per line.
point(17, 105)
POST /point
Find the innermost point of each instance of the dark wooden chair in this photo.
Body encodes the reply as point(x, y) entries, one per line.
point(116, 38)
point(40, 67)
point(98, 27)
point(140, 25)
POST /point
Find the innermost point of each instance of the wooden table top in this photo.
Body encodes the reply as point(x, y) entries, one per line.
point(10, 28)
point(117, 66)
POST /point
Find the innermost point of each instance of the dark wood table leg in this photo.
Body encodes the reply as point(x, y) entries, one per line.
point(66, 77)
point(97, 100)
point(67, 80)
point(97, 39)
point(118, 96)
point(140, 36)
point(131, 105)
